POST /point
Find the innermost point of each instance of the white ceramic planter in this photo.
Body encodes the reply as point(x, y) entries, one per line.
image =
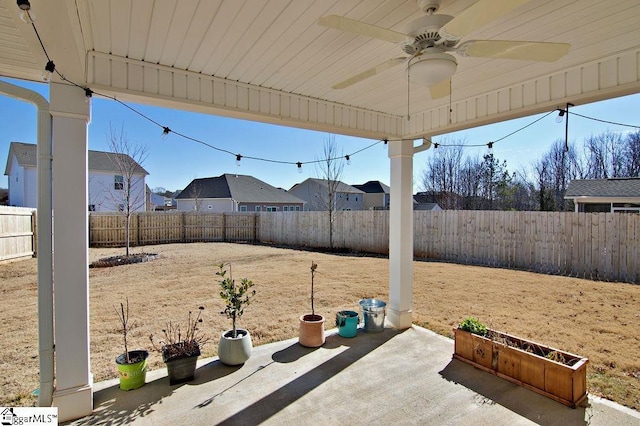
point(235, 351)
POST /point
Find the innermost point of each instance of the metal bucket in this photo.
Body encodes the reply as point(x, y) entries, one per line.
point(373, 314)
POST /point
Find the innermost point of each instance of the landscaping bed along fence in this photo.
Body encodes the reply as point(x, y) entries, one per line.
point(601, 246)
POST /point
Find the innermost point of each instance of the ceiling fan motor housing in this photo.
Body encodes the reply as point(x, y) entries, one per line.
point(424, 32)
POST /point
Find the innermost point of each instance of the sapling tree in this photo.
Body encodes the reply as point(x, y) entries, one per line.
point(236, 297)
point(128, 191)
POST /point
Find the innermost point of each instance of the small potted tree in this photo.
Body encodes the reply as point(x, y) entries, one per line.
point(180, 350)
point(312, 325)
point(132, 366)
point(235, 345)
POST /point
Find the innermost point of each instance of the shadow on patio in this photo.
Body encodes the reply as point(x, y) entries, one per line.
point(392, 377)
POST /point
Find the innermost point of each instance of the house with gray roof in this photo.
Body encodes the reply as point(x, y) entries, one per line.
point(106, 183)
point(236, 193)
point(615, 195)
point(315, 192)
point(376, 195)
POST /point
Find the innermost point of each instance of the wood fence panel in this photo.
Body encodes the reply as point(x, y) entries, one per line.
point(17, 233)
point(591, 245)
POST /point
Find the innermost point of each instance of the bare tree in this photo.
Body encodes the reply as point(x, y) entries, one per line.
point(632, 155)
point(605, 155)
point(442, 176)
point(195, 192)
point(128, 159)
point(329, 170)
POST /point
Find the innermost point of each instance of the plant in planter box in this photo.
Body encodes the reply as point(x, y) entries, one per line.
point(235, 345)
point(312, 325)
point(132, 365)
point(181, 349)
point(548, 371)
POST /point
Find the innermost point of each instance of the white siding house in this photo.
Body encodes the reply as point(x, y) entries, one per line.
point(106, 183)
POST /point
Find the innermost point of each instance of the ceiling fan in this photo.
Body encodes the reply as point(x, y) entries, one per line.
point(428, 39)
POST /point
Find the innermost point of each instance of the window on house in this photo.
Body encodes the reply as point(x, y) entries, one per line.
point(285, 208)
point(118, 182)
point(120, 207)
point(272, 209)
point(243, 208)
point(257, 208)
point(297, 208)
point(92, 207)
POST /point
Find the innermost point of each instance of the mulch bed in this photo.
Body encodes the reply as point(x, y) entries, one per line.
point(107, 262)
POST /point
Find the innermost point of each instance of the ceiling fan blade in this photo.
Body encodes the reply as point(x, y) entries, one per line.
point(440, 90)
point(476, 16)
point(357, 27)
point(369, 73)
point(522, 50)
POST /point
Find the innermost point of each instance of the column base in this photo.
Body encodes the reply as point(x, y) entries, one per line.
point(400, 320)
point(73, 403)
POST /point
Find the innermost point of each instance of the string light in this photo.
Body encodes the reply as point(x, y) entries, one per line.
point(299, 164)
point(560, 116)
point(435, 145)
point(48, 71)
point(25, 14)
point(238, 158)
point(348, 158)
point(165, 132)
point(490, 147)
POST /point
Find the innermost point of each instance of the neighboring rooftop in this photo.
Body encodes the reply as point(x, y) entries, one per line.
point(373, 187)
point(341, 186)
point(99, 161)
point(614, 187)
point(241, 188)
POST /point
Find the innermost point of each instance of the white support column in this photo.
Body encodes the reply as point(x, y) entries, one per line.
point(401, 235)
point(71, 114)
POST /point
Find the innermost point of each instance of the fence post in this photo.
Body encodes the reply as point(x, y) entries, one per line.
point(34, 232)
point(224, 228)
point(183, 221)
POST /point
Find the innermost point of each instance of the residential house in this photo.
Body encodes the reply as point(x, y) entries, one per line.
point(615, 195)
point(376, 195)
point(425, 201)
point(105, 180)
point(315, 192)
point(233, 193)
point(159, 202)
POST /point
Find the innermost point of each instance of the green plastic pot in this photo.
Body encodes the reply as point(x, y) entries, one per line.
point(132, 376)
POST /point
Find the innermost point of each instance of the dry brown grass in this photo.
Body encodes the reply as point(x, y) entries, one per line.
point(594, 319)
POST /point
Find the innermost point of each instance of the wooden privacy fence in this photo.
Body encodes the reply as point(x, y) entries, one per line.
point(17, 233)
point(591, 245)
point(108, 229)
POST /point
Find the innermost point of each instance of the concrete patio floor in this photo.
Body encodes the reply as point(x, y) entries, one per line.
point(393, 377)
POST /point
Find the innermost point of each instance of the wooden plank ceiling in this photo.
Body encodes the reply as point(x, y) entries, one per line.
point(277, 44)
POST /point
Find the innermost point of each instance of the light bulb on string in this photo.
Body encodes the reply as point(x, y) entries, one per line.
point(238, 158)
point(165, 133)
point(348, 158)
point(299, 164)
point(560, 116)
point(88, 94)
point(490, 147)
point(48, 71)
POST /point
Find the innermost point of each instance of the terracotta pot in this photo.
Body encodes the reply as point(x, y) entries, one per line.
point(311, 330)
point(235, 350)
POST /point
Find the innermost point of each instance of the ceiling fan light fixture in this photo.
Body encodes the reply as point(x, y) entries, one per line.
point(432, 68)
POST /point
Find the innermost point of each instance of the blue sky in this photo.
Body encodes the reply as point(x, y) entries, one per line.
point(173, 162)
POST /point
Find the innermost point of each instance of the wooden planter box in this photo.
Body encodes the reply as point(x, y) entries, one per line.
point(517, 360)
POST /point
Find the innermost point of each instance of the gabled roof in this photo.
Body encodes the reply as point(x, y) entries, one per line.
point(99, 161)
point(373, 187)
point(341, 186)
point(615, 187)
point(241, 188)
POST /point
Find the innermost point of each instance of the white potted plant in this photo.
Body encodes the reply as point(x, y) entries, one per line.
point(235, 345)
point(312, 325)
